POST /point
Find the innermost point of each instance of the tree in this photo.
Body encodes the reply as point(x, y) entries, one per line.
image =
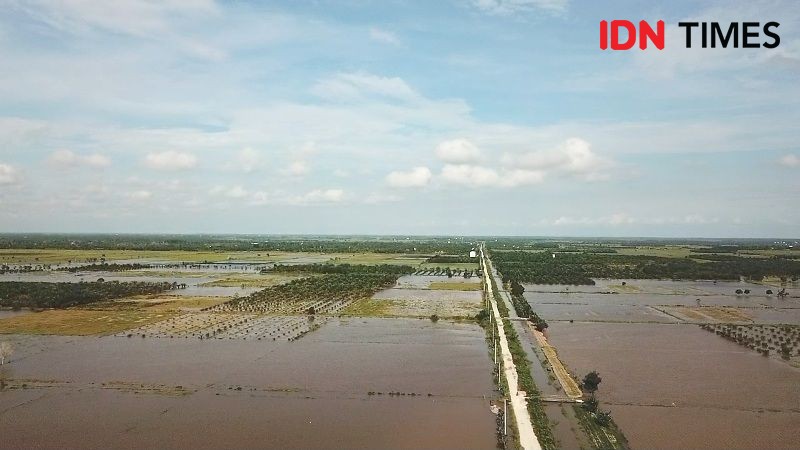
point(590, 404)
point(591, 381)
point(516, 288)
point(6, 350)
point(603, 418)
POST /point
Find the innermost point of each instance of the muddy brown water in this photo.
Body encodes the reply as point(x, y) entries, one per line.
point(678, 386)
point(312, 393)
point(643, 305)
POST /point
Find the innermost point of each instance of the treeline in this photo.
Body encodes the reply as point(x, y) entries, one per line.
point(20, 294)
point(104, 267)
point(523, 308)
point(577, 269)
point(343, 268)
point(355, 244)
point(328, 287)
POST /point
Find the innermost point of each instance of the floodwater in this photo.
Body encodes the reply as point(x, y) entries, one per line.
point(424, 281)
point(678, 386)
point(649, 301)
point(194, 283)
point(113, 392)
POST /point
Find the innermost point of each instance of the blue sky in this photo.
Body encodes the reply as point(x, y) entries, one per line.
point(393, 117)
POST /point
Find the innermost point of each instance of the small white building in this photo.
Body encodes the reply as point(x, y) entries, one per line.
point(473, 254)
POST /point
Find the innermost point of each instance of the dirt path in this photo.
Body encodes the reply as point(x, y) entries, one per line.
point(567, 382)
point(527, 438)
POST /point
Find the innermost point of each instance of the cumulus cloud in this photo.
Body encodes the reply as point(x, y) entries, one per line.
point(575, 156)
point(247, 160)
point(318, 196)
point(170, 160)
point(416, 177)
point(383, 36)
point(67, 158)
point(8, 174)
point(140, 195)
point(458, 151)
point(479, 176)
point(790, 160)
point(298, 168)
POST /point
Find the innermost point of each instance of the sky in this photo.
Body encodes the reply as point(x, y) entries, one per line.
point(484, 117)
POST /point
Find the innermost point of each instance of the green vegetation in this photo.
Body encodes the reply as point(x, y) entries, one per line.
point(354, 244)
point(591, 382)
point(598, 425)
point(523, 308)
point(781, 340)
point(329, 288)
point(580, 268)
point(19, 294)
point(450, 259)
point(104, 267)
point(541, 424)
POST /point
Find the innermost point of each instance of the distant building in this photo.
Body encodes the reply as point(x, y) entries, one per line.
point(473, 254)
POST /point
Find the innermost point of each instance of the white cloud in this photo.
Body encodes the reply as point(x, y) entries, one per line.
point(170, 160)
point(298, 168)
point(67, 158)
point(362, 86)
point(383, 36)
point(247, 160)
point(478, 176)
point(574, 156)
point(140, 195)
point(231, 192)
point(622, 219)
point(260, 198)
point(790, 160)
point(469, 175)
point(8, 174)
point(458, 151)
point(319, 196)
point(378, 198)
point(511, 7)
point(416, 177)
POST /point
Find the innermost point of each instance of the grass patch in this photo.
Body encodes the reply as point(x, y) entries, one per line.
point(609, 437)
point(79, 322)
point(454, 286)
point(626, 289)
point(367, 307)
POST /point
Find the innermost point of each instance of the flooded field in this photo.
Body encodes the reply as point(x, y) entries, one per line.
point(346, 385)
point(667, 382)
point(422, 296)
